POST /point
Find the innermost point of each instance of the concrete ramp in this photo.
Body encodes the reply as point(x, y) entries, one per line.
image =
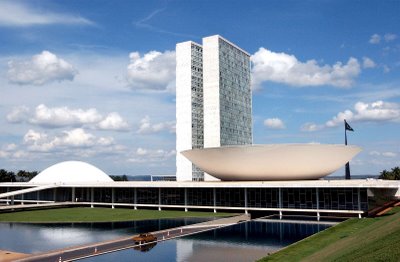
point(25, 191)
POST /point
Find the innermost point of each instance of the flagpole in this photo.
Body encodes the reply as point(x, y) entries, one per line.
point(347, 176)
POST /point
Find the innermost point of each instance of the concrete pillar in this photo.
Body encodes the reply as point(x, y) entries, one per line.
point(280, 202)
point(317, 197)
point(73, 194)
point(12, 200)
point(22, 199)
point(37, 196)
point(8, 190)
point(215, 199)
point(245, 201)
point(135, 198)
point(54, 194)
point(159, 199)
point(112, 197)
point(186, 210)
point(92, 197)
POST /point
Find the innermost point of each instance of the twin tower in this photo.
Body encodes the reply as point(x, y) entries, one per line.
point(213, 100)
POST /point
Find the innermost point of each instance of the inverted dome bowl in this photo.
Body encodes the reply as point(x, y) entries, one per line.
point(272, 162)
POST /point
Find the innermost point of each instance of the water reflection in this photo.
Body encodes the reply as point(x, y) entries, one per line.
point(35, 238)
point(243, 242)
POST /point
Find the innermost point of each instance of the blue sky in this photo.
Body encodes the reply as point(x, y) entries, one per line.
point(95, 80)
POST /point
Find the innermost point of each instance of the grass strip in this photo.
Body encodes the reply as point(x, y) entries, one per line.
point(367, 239)
point(98, 214)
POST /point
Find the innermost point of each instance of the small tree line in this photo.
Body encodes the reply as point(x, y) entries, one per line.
point(394, 174)
point(20, 176)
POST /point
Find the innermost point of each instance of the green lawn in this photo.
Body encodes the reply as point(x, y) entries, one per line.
point(86, 214)
point(367, 239)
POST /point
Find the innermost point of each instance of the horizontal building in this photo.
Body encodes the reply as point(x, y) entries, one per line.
point(306, 196)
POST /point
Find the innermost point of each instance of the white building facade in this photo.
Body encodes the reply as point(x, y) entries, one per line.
point(213, 99)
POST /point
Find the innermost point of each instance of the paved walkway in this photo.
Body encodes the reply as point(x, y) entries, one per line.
point(84, 251)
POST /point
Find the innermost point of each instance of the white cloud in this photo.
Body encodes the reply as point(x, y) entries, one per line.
point(153, 71)
point(389, 37)
point(113, 121)
point(76, 138)
point(364, 112)
point(64, 116)
point(40, 69)
point(378, 111)
point(284, 68)
point(386, 69)
point(375, 39)
point(146, 155)
point(274, 123)
point(385, 154)
point(14, 13)
point(146, 127)
point(368, 62)
point(310, 127)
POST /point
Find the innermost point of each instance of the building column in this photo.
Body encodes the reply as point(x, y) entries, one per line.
point(245, 201)
point(359, 201)
point(92, 197)
point(280, 203)
point(317, 197)
point(37, 196)
point(215, 199)
point(8, 190)
point(112, 197)
point(12, 200)
point(73, 194)
point(159, 199)
point(135, 198)
point(54, 194)
point(186, 210)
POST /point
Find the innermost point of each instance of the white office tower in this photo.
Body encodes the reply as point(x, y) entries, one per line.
point(189, 108)
point(220, 73)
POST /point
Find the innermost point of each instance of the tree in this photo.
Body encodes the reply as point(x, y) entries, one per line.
point(24, 176)
point(394, 174)
point(6, 176)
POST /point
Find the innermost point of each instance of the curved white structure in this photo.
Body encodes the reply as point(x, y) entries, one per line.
point(272, 162)
point(71, 172)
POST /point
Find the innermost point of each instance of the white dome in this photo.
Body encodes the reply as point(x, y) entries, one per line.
point(71, 172)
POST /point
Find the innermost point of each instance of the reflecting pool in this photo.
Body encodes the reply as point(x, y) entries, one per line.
point(36, 238)
point(242, 242)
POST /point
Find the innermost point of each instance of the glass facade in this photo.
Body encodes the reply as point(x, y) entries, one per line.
point(235, 95)
point(285, 198)
point(197, 105)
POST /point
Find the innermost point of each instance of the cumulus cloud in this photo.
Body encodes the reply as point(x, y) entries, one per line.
point(153, 71)
point(76, 138)
point(113, 121)
point(389, 37)
point(375, 39)
point(64, 116)
point(142, 155)
point(368, 112)
point(378, 111)
point(385, 154)
point(146, 127)
point(310, 127)
point(42, 68)
point(15, 13)
point(286, 69)
point(274, 123)
point(368, 62)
